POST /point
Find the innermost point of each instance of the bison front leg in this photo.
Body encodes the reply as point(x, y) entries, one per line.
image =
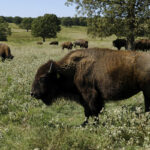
point(94, 104)
point(87, 113)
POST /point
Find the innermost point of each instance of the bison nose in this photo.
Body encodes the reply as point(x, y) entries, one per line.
point(32, 94)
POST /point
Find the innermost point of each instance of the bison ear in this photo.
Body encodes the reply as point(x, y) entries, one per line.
point(53, 69)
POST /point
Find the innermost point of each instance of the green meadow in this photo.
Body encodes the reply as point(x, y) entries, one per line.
point(28, 124)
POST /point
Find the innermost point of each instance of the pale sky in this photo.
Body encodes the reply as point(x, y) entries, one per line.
point(34, 8)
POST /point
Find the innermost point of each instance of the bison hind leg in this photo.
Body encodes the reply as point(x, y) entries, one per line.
point(3, 57)
point(146, 94)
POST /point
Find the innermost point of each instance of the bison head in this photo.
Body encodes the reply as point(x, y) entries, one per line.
point(11, 57)
point(45, 86)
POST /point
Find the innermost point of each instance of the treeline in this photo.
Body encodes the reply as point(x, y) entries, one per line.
point(16, 20)
point(73, 21)
point(38, 26)
point(65, 21)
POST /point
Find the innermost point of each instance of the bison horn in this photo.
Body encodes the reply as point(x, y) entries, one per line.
point(50, 68)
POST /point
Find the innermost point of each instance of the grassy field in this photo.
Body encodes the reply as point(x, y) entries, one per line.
point(27, 124)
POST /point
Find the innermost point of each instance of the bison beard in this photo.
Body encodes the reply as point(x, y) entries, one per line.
point(93, 76)
point(47, 100)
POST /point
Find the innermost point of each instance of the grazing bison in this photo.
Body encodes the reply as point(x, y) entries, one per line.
point(82, 43)
point(94, 76)
point(120, 43)
point(67, 45)
point(5, 52)
point(53, 43)
point(143, 44)
point(39, 43)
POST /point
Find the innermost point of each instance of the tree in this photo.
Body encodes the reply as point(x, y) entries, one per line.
point(26, 23)
point(97, 27)
point(67, 21)
point(46, 26)
point(4, 29)
point(76, 21)
point(9, 19)
point(122, 17)
point(17, 20)
point(82, 21)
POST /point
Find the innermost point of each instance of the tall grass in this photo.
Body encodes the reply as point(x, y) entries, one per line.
point(27, 124)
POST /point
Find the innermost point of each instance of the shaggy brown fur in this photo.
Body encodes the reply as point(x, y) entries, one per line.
point(67, 45)
point(94, 76)
point(53, 43)
point(5, 52)
point(81, 42)
point(143, 44)
point(120, 43)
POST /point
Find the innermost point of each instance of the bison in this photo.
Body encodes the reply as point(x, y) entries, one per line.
point(120, 43)
point(53, 43)
point(92, 77)
point(39, 43)
point(143, 44)
point(67, 45)
point(82, 43)
point(5, 52)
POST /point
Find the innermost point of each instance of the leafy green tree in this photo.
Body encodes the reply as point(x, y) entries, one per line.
point(82, 21)
point(26, 23)
point(9, 19)
point(97, 27)
point(17, 20)
point(67, 21)
point(76, 21)
point(4, 29)
point(122, 17)
point(147, 24)
point(46, 26)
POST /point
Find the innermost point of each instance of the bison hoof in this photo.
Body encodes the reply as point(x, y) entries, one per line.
point(84, 123)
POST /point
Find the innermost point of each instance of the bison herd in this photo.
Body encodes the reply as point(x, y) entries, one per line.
point(143, 44)
point(69, 45)
point(92, 76)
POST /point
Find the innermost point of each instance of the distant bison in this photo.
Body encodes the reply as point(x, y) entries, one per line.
point(39, 43)
point(53, 43)
point(82, 43)
point(120, 43)
point(67, 45)
point(143, 44)
point(94, 76)
point(5, 52)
